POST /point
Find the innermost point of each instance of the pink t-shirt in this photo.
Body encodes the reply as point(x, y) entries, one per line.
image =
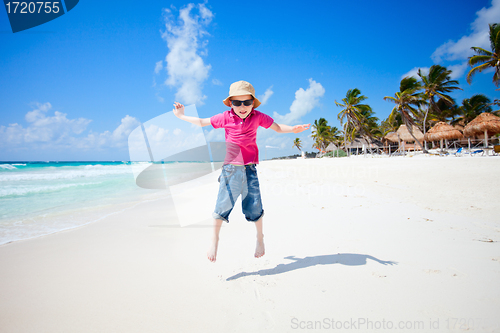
point(241, 135)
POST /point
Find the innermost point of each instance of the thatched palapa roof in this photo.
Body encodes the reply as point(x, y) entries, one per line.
point(405, 135)
point(359, 142)
point(331, 147)
point(484, 122)
point(442, 131)
point(392, 136)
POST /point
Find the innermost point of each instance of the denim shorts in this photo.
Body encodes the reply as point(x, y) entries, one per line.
point(236, 180)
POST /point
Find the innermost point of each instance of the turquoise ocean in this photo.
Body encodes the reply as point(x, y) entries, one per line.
point(40, 198)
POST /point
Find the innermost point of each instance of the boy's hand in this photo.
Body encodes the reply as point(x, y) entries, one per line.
point(178, 109)
point(300, 128)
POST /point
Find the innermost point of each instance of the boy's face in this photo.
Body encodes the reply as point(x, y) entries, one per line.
point(242, 111)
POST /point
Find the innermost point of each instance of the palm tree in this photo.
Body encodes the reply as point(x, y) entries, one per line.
point(420, 114)
point(446, 112)
point(336, 137)
point(406, 99)
point(372, 127)
point(437, 83)
point(297, 143)
point(334, 132)
point(473, 107)
point(495, 102)
point(321, 134)
point(485, 59)
point(354, 114)
point(390, 125)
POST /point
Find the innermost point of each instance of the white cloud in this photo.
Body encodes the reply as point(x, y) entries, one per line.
point(186, 69)
point(414, 72)
point(206, 14)
point(128, 124)
point(456, 71)
point(43, 128)
point(58, 132)
point(159, 98)
point(216, 82)
point(276, 142)
point(479, 36)
point(115, 139)
point(454, 54)
point(11, 135)
point(158, 66)
point(461, 49)
point(214, 135)
point(264, 98)
point(156, 133)
point(305, 101)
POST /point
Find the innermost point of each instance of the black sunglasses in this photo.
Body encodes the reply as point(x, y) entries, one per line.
point(248, 102)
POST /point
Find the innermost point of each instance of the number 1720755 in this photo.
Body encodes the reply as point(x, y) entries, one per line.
point(24, 7)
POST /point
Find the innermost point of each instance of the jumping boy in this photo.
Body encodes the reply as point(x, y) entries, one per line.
point(239, 173)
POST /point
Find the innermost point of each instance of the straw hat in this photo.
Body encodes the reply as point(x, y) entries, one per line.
point(241, 88)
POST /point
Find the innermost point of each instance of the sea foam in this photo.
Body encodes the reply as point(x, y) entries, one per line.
point(44, 197)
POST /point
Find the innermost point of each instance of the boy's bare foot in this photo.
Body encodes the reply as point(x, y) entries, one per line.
point(212, 251)
point(260, 250)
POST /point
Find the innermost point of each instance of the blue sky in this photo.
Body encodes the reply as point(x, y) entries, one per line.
point(75, 87)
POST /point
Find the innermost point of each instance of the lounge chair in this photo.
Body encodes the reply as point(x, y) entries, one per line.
point(458, 152)
point(476, 152)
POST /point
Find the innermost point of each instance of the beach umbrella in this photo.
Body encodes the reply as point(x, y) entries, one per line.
point(486, 123)
point(442, 131)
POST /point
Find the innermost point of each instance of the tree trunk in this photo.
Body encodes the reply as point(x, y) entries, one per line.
point(414, 138)
point(345, 141)
point(434, 106)
point(486, 142)
point(410, 130)
point(425, 120)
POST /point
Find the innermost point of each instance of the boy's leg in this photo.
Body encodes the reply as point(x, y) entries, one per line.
point(229, 190)
point(259, 249)
point(252, 206)
point(212, 251)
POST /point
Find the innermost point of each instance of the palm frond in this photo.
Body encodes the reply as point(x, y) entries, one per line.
point(481, 52)
point(446, 98)
point(479, 59)
point(496, 77)
point(475, 70)
point(495, 37)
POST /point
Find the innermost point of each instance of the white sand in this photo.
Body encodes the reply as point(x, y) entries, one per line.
point(367, 242)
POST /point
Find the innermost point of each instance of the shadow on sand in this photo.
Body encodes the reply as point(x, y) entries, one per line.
point(350, 259)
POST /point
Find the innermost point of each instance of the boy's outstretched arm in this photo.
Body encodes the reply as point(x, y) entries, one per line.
point(179, 113)
point(280, 128)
